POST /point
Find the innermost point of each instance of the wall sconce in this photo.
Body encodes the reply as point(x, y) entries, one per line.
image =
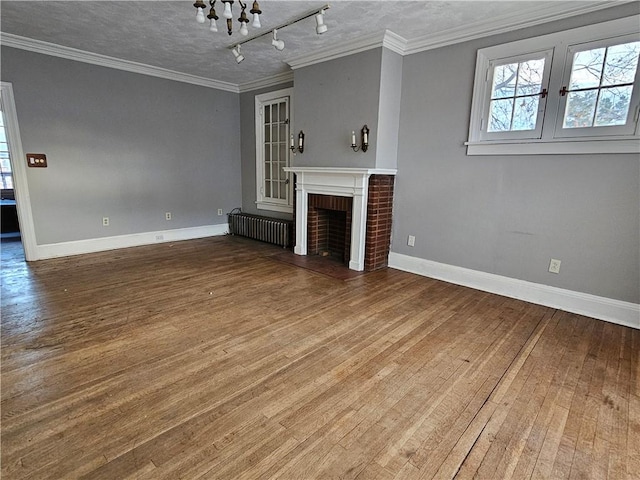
point(364, 133)
point(300, 146)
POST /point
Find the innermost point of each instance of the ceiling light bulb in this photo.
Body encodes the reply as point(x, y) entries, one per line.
point(227, 10)
point(320, 26)
point(237, 54)
point(256, 21)
point(244, 30)
point(200, 16)
point(255, 10)
point(213, 26)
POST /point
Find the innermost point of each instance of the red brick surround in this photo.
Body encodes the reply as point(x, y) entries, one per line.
point(329, 223)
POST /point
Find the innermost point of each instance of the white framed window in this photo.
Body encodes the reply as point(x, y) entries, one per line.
point(576, 91)
point(598, 95)
point(516, 101)
point(274, 188)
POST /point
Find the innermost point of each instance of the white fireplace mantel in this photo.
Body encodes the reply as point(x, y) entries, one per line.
point(343, 182)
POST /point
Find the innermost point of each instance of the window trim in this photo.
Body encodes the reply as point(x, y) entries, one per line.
point(548, 143)
point(262, 202)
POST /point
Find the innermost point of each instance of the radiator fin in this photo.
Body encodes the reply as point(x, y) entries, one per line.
point(271, 230)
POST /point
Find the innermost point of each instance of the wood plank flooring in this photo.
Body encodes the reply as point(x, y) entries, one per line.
point(209, 359)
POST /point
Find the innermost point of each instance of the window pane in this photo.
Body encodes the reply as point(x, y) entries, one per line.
point(613, 106)
point(283, 111)
point(525, 113)
point(500, 115)
point(283, 153)
point(504, 80)
point(3, 139)
point(283, 190)
point(267, 133)
point(267, 114)
point(274, 113)
point(274, 152)
point(267, 170)
point(530, 77)
point(283, 133)
point(580, 109)
point(621, 64)
point(587, 69)
point(267, 152)
point(267, 188)
point(5, 164)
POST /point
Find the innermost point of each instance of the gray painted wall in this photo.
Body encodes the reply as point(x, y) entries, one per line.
point(122, 145)
point(248, 126)
point(332, 99)
point(389, 109)
point(508, 215)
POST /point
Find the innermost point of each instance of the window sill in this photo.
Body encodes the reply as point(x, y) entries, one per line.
point(274, 207)
point(554, 147)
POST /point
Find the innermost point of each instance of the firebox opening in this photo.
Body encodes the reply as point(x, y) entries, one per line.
point(329, 227)
point(331, 235)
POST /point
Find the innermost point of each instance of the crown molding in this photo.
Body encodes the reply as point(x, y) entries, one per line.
point(266, 82)
point(527, 17)
point(386, 39)
point(507, 23)
point(46, 48)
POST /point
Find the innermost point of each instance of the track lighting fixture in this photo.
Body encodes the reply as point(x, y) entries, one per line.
point(278, 44)
point(228, 15)
point(320, 26)
point(236, 53)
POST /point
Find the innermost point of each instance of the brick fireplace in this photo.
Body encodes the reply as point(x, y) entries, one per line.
point(355, 203)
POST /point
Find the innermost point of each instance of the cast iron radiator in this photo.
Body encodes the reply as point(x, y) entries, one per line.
point(271, 230)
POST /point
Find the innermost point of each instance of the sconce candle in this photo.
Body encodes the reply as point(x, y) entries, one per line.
point(364, 134)
point(292, 145)
point(301, 141)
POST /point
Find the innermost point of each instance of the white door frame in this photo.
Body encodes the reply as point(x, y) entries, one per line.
point(19, 173)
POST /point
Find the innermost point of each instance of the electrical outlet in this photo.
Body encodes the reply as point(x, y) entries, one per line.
point(105, 221)
point(411, 241)
point(554, 266)
point(219, 212)
point(167, 216)
point(159, 238)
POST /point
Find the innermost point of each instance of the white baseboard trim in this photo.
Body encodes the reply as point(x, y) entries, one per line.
point(92, 245)
point(602, 308)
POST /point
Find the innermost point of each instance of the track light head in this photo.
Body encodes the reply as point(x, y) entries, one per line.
point(236, 53)
point(278, 44)
point(320, 25)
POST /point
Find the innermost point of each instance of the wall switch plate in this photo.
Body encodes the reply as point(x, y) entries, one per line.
point(219, 212)
point(36, 160)
point(105, 221)
point(167, 216)
point(554, 266)
point(411, 241)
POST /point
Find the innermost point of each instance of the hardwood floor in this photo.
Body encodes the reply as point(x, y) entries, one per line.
point(210, 359)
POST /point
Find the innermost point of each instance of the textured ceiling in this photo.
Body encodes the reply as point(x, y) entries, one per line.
point(165, 34)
